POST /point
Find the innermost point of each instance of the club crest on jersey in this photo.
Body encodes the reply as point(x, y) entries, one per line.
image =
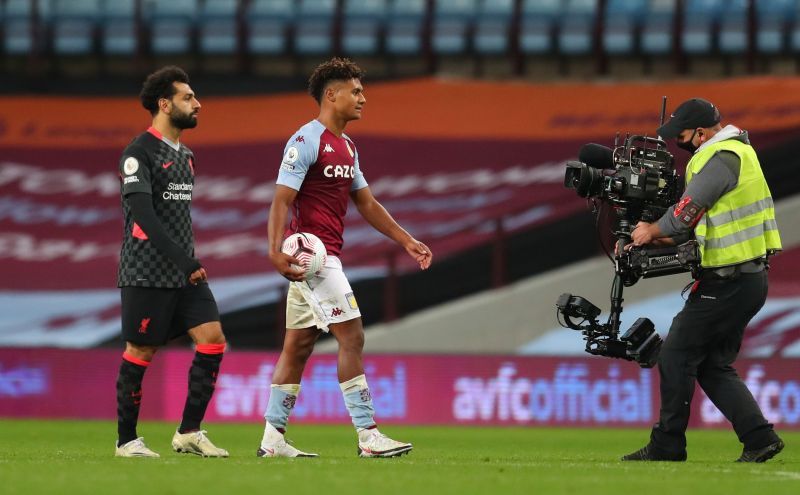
point(130, 166)
point(351, 300)
point(350, 150)
point(328, 148)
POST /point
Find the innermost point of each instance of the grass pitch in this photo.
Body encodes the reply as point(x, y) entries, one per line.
point(39, 457)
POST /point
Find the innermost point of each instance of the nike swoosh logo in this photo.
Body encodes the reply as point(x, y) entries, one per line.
point(166, 165)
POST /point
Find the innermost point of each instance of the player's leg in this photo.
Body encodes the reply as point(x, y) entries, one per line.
point(334, 307)
point(298, 344)
point(197, 311)
point(357, 397)
point(145, 326)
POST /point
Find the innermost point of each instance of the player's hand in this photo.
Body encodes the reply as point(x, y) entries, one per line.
point(420, 252)
point(198, 276)
point(288, 266)
point(642, 234)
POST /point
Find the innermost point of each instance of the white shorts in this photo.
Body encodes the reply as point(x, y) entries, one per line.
point(321, 300)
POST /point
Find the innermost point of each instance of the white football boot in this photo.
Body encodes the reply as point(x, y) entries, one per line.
point(196, 442)
point(135, 448)
point(372, 443)
point(273, 444)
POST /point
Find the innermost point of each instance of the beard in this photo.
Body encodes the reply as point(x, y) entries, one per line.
point(183, 120)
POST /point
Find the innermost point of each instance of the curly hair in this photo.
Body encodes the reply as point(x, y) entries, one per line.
point(159, 85)
point(335, 69)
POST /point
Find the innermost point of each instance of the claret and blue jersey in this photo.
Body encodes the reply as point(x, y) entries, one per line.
point(323, 169)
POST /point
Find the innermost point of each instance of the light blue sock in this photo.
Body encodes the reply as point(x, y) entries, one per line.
point(358, 400)
point(282, 399)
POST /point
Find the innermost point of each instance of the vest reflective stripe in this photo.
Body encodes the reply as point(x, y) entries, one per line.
point(744, 211)
point(741, 225)
point(741, 235)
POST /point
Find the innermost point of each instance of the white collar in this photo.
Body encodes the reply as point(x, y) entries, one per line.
point(727, 132)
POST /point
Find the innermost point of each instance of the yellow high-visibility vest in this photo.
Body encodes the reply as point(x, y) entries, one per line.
point(741, 225)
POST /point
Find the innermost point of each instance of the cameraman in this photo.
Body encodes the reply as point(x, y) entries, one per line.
point(729, 207)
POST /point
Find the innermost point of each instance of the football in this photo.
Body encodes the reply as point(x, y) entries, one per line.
point(307, 248)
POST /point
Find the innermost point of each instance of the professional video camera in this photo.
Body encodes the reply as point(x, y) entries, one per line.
point(637, 179)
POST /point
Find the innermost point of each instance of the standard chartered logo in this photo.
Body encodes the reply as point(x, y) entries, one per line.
point(178, 192)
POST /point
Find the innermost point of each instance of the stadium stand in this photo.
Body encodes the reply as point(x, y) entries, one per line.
point(533, 38)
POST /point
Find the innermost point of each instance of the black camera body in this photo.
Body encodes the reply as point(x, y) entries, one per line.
point(637, 179)
point(638, 176)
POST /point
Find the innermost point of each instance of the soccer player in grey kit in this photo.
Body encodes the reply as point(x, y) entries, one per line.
point(319, 171)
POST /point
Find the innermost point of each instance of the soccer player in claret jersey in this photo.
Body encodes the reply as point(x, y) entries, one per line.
point(320, 170)
point(164, 289)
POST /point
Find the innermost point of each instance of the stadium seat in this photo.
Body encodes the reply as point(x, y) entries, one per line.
point(658, 27)
point(171, 25)
point(16, 9)
point(622, 21)
point(171, 36)
point(734, 30)
point(268, 22)
point(773, 17)
point(452, 21)
point(19, 33)
point(73, 25)
point(537, 24)
point(219, 37)
point(119, 36)
point(405, 27)
point(794, 36)
point(73, 36)
point(362, 26)
point(575, 35)
point(19, 36)
point(493, 27)
point(218, 29)
point(313, 33)
point(699, 25)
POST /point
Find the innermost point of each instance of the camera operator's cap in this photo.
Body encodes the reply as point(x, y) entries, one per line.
point(690, 114)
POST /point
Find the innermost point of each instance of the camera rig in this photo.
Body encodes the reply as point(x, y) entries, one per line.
point(638, 181)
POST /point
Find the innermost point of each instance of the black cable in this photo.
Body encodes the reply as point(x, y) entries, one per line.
point(597, 227)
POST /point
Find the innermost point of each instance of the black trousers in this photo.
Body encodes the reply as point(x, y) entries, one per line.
point(702, 345)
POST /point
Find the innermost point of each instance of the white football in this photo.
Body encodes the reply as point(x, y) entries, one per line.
point(307, 248)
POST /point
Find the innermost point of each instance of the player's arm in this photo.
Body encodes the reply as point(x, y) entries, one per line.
point(283, 199)
point(380, 219)
point(144, 215)
point(298, 155)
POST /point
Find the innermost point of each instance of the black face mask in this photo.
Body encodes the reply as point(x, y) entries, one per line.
point(687, 145)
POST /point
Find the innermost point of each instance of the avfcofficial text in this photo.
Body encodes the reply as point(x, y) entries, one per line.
point(571, 396)
point(780, 400)
point(244, 395)
point(180, 196)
